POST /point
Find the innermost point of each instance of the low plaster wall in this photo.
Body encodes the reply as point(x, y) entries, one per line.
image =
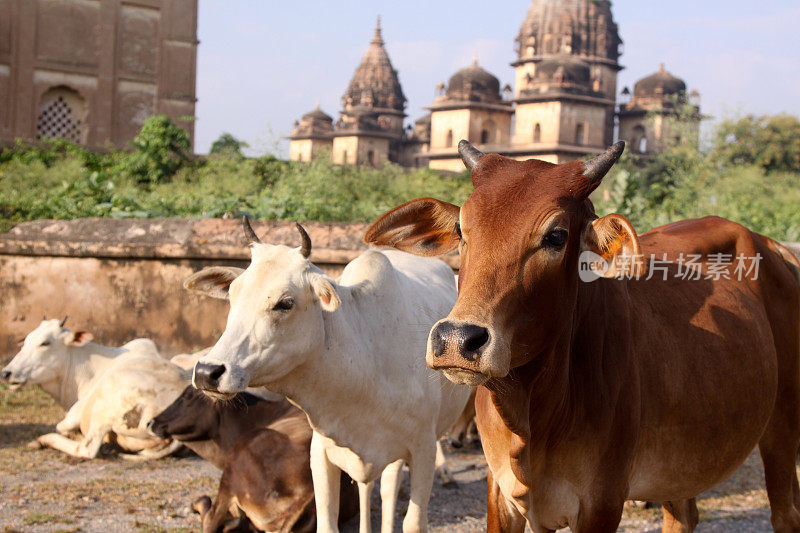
point(122, 279)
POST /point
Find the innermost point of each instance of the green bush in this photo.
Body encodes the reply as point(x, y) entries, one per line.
point(61, 181)
point(731, 178)
point(227, 144)
point(159, 151)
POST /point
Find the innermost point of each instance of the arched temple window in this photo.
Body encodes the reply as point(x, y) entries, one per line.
point(488, 133)
point(537, 133)
point(62, 115)
point(580, 134)
point(639, 139)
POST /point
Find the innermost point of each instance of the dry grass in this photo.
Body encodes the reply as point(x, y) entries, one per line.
point(44, 490)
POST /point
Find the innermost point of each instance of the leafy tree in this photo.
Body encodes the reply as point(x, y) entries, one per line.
point(268, 168)
point(160, 149)
point(771, 142)
point(228, 145)
point(741, 183)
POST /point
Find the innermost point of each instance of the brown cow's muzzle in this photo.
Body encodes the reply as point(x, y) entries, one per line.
point(463, 351)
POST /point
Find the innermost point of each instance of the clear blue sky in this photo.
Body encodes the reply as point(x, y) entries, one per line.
point(262, 63)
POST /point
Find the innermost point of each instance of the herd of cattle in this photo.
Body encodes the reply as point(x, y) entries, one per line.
point(585, 394)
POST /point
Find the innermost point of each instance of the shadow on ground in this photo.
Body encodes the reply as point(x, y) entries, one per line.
point(13, 435)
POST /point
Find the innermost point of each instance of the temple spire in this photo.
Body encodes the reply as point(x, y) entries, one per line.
point(374, 83)
point(378, 37)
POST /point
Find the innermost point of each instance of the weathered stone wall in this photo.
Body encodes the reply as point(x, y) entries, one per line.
point(122, 279)
point(114, 62)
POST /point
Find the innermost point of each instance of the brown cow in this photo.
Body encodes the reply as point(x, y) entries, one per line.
point(263, 449)
point(211, 429)
point(594, 392)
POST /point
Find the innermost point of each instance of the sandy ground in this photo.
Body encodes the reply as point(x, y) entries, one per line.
point(46, 491)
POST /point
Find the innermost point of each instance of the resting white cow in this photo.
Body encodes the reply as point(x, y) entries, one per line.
point(351, 355)
point(104, 389)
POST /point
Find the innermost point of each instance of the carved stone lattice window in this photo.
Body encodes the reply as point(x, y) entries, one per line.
point(58, 118)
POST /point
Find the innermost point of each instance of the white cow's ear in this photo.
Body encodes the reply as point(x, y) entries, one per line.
point(326, 293)
point(212, 281)
point(78, 338)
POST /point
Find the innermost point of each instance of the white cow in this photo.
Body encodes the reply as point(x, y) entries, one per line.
point(105, 390)
point(351, 355)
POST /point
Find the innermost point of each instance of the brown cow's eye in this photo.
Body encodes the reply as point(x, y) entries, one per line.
point(457, 230)
point(556, 238)
point(284, 305)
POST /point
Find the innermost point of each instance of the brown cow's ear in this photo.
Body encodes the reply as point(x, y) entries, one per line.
point(212, 281)
point(79, 338)
point(425, 226)
point(615, 241)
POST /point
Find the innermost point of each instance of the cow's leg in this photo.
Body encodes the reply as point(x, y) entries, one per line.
point(390, 484)
point(796, 492)
point(218, 513)
point(88, 448)
point(600, 517)
point(778, 448)
point(72, 420)
point(779, 443)
point(421, 466)
point(327, 478)
point(201, 506)
point(680, 516)
point(149, 453)
point(442, 470)
point(365, 506)
point(501, 517)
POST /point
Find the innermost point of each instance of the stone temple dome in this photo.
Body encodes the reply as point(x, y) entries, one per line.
point(318, 114)
point(474, 84)
point(660, 85)
point(375, 83)
point(583, 28)
point(564, 72)
point(315, 122)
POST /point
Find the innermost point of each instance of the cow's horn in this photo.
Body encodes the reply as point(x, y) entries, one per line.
point(469, 154)
point(305, 248)
point(64, 321)
point(597, 167)
point(249, 234)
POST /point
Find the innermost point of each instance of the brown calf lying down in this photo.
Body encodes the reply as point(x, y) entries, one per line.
point(263, 449)
point(211, 429)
